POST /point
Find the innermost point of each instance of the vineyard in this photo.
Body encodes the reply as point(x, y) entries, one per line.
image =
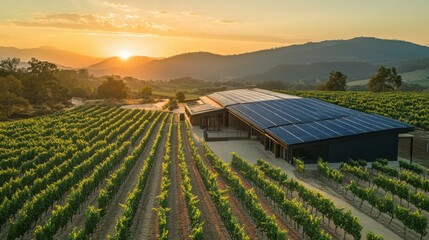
point(395, 197)
point(113, 173)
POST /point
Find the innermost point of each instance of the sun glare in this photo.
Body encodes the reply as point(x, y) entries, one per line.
point(124, 55)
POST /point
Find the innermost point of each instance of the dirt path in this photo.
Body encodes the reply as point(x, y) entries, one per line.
point(213, 224)
point(114, 211)
point(145, 223)
point(178, 222)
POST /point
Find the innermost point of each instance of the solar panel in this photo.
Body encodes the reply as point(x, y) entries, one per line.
point(332, 128)
point(289, 111)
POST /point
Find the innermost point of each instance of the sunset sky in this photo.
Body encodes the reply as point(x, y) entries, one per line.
point(163, 28)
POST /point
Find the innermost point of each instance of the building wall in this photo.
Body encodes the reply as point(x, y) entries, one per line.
point(368, 148)
point(236, 123)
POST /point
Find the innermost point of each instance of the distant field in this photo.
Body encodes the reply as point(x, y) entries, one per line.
point(172, 94)
point(418, 77)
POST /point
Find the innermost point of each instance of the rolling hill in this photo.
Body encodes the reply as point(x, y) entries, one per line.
point(312, 73)
point(311, 62)
point(118, 66)
point(208, 66)
point(57, 56)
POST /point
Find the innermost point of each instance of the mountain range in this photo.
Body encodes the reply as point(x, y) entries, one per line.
point(309, 63)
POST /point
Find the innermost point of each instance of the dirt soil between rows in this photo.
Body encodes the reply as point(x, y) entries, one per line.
point(213, 225)
point(178, 222)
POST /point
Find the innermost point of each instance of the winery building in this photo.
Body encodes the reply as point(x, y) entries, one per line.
point(291, 126)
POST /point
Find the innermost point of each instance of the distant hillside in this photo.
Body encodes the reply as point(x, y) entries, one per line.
point(355, 57)
point(210, 66)
point(57, 56)
point(312, 73)
point(408, 66)
point(118, 66)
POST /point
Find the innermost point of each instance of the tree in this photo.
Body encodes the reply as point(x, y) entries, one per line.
point(146, 92)
point(385, 79)
point(41, 85)
point(9, 66)
point(114, 89)
point(337, 82)
point(180, 96)
point(11, 99)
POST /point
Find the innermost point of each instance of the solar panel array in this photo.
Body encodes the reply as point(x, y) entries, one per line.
point(202, 108)
point(326, 129)
point(231, 97)
point(274, 113)
point(296, 120)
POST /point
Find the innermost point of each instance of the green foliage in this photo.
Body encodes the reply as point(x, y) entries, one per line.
point(356, 171)
point(11, 92)
point(113, 89)
point(385, 169)
point(171, 104)
point(327, 172)
point(180, 96)
point(412, 167)
point(291, 208)
point(357, 163)
point(123, 225)
point(71, 172)
point(165, 184)
point(221, 202)
point(191, 199)
point(385, 79)
point(37, 85)
point(146, 92)
point(337, 82)
point(323, 205)
point(299, 165)
point(9, 66)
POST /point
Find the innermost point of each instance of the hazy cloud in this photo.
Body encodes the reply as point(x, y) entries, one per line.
point(191, 14)
point(158, 13)
point(144, 23)
point(118, 6)
point(110, 22)
point(226, 21)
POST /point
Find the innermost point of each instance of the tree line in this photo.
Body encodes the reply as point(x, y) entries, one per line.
point(385, 79)
point(38, 87)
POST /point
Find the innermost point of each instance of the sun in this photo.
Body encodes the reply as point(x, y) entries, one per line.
point(124, 55)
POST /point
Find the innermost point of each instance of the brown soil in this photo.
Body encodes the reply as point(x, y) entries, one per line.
point(178, 222)
point(213, 225)
point(237, 208)
point(145, 223)
point(292, 233)
point(114, 211)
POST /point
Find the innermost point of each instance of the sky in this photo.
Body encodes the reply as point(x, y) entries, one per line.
point(104, 28)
